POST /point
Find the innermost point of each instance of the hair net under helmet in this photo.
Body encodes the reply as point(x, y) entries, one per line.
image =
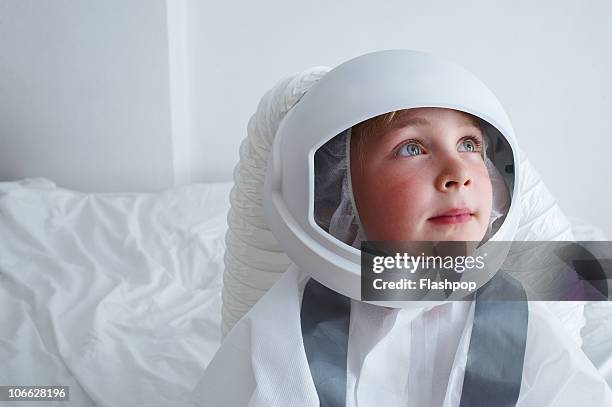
point(309, 202)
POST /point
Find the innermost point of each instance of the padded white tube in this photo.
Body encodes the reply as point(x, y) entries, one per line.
point(253, 259)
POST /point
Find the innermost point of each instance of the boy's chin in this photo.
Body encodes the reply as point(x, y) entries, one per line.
point(466, 234)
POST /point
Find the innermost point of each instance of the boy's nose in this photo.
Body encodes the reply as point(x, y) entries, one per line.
point(453, 175)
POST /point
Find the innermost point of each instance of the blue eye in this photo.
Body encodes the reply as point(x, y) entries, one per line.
point(409, 150)
point(469, 145)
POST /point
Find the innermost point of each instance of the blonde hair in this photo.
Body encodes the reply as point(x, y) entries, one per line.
point(372, 127)
point(375, 125)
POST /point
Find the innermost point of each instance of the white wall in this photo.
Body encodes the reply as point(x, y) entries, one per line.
point(84, 93)
point(113, 95)
point(549, 62)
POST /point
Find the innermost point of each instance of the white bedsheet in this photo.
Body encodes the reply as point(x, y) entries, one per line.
point(116, 295)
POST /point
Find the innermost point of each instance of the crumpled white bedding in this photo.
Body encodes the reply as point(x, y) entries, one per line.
point(116, 295)
point(119, 295)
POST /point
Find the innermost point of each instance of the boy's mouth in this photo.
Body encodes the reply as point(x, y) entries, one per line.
point(452, 216)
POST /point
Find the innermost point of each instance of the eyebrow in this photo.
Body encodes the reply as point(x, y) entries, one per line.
point(410, 121)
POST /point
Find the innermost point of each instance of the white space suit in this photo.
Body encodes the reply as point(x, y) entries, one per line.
point(403, 353)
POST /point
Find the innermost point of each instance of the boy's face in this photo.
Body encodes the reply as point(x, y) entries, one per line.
point(425, 165)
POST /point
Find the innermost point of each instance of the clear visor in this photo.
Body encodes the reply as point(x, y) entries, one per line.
point(412, 185)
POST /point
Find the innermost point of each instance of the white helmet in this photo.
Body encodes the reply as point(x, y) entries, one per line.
point(357, 90)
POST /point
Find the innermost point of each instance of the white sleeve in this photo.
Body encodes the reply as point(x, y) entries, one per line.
point(228, 380)
point(556, 372)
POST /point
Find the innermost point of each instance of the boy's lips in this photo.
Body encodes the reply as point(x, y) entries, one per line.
point(452, 216)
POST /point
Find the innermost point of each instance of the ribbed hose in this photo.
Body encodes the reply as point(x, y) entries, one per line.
point(253, 259)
